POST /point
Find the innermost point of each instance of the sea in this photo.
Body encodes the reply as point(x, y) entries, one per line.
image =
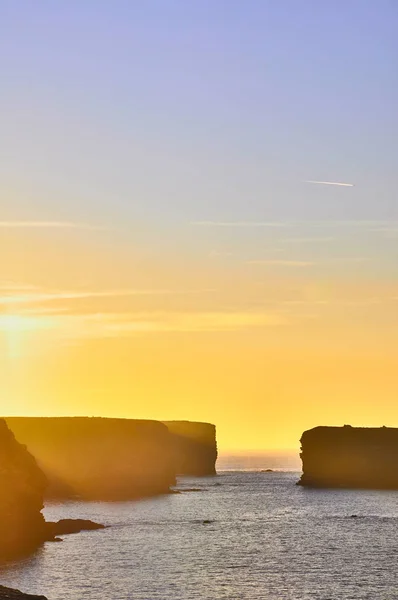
point(245, 534)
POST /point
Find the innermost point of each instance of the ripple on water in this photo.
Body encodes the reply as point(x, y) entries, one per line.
point(246, 536)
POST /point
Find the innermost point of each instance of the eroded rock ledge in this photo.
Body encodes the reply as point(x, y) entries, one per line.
point(10, 594)
point(350, 457)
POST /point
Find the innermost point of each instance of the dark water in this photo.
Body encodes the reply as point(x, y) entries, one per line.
point(267, 539)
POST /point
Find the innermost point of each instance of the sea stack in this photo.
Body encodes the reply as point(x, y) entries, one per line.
point(22, 485)
point(195, 447)
point(350, 457)
point(98, 458)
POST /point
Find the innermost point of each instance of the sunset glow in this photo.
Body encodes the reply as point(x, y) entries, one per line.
point(197, 220)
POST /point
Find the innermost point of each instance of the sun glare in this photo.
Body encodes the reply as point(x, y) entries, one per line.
point(16, 323)
point(16, 330)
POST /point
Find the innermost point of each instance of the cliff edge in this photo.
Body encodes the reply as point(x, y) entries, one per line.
point(194, 447)
point(22, 485)
point(350, 457)
point(97, 458)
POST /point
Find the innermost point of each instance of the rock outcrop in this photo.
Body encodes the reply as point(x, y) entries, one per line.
point(350, 457)
point(195, 447)
point(98, 458)
point(10, 594)
point(68, 526)
point(22, 486)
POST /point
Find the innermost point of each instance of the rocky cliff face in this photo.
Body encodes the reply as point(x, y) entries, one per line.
point(95, 458)
point(10, 594)
point(195, 447)
point(350, 457)
point(22, 485)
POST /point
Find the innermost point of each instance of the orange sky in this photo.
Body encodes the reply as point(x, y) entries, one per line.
point(93, 324)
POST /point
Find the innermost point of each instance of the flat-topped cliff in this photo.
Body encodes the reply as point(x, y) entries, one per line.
point(22, 485)
point(98, 458)
point(350, 457)
point(195, 447)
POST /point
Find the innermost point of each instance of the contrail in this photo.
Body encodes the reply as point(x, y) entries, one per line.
point(331, 183)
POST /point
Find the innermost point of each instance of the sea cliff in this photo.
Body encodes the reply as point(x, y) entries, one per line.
point(350, 457)
point(194, 447)
point(98, 458)
point(22, 485)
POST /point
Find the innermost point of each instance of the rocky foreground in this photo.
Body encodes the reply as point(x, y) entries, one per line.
point(350, 457)
point(10, 594)
point(22, 485)
point(88, 458)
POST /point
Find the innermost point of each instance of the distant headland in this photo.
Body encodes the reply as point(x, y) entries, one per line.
point(115, 459)
point(350, 457)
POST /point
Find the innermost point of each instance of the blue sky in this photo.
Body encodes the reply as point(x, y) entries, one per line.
point(170, 111)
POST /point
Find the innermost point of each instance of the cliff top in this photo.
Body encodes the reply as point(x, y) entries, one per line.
point(194, 430)
point(347, 432)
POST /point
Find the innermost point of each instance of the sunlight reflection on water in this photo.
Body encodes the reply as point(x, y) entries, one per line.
point(265, 538)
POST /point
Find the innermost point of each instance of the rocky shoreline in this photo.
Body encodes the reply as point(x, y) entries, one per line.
point(11, 594)
point(103, 459)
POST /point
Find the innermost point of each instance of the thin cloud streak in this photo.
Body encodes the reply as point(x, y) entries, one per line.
point(282, 263)
point(330, 183)
point(239, 224)
point(47, 225)
point(111, 325)
point(361, 224)
point(32, 298)
point(308, 240)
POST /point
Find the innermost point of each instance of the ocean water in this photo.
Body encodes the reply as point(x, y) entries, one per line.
point(242, 535)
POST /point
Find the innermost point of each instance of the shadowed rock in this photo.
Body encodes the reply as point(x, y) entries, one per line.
point(195, 447)
point(22, 485)
point(97, 458)
point(350, 457)
point(67, 526)
point(10, 594)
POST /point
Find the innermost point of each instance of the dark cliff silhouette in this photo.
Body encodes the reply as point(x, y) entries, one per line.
point(195, 447)
point(350, 457)
point(22, 485)
point(97, 458)
point(10, 594)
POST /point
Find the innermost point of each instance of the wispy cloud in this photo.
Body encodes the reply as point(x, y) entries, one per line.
point(308, 240)
point(14, 286)
point(48, 296)
point(47, 225)
point(239, 224)
point(218, 254)
point(330, 183)
point(282, 263)
point(120, 325)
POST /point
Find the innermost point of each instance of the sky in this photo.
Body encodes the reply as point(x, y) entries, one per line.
point(176, 241)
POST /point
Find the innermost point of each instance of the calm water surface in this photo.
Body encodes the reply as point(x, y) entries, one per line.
point(267, 539)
